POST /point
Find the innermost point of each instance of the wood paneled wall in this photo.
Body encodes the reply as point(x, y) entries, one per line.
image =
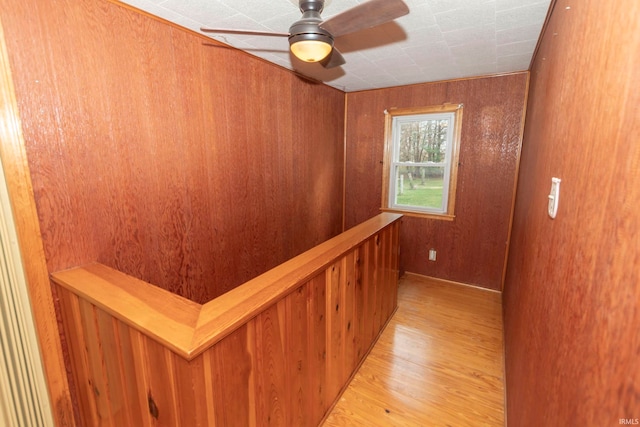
point(472, 248)
point(276, 360)
point(572, 290)
point(27, 228)
point(189, 166)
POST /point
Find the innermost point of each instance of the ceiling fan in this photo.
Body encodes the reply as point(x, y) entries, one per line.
point(311, 39)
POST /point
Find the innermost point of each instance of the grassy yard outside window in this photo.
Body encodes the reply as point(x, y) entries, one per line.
point(421, 160)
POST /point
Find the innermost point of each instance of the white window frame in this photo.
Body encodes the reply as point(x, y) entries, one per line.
point(394, 119)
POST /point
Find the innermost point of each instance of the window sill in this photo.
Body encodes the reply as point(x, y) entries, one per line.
point(442, 217)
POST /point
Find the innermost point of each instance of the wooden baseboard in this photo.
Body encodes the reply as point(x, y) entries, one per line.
point(449, 282)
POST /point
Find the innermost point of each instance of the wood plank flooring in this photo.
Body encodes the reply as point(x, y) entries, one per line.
point(439, 362)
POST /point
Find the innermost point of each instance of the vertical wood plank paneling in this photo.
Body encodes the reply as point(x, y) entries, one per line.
point(391, 276)
point(79, 359)
point(209, 390)
point(97, 383)
point(162, 392)
point(146, 401)
point(130, 387)
point(234, 384)
point(188, 377)
point(299, 356)
point(360, 292)
point(385, 267)
point(106, 330)
point(371, 289)
point(349, 320)
point(572, 288)
point(335, 331)
point(384, 276)
point(378, 281)
point(271, 370)
point(200, 371)
point(397, 253)
point(285, 366)
point(471, 249)
point(318, 349)
point(19, 188)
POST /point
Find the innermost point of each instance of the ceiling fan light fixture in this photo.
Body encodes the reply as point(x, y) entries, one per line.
point(311, 47)
point(311, 50)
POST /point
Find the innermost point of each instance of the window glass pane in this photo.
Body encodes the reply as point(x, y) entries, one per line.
point(422, 141)
point(419, 186)
point(421, 157)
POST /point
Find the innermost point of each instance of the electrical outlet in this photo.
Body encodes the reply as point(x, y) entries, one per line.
point(432, 254)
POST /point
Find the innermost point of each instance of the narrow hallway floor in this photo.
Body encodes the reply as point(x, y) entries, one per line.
point(439, 362)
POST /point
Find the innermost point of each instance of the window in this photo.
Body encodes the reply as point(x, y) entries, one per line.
point(421, 160)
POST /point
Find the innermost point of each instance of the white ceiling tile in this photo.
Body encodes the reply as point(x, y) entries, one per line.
point(338, 6)
point(438, 75)
point(476, 15)
point(282, 22)
point(502, 5)
point(420, 15)
point(424, 35)
point(476, 46)
point(465, 35)
point(480, 59)
point(513, 62)
point(429, 50)
point(518, 34)
point(200, 10)
point(439, 6)
point(144, 4)
point(524, 47)
point(156, 10)
point(521, 16)
point(479, 69)
point(237, 21)
point(383, 52)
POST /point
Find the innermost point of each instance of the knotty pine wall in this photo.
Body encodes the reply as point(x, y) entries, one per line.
point(472, 248)
point(188, 166)
point(572, 289)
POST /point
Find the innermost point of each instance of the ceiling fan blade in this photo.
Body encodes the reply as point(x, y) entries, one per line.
point(334, 59)
point(246, 32)
point(365, 15)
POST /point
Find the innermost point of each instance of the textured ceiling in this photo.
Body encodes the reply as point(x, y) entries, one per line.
point(437, 40)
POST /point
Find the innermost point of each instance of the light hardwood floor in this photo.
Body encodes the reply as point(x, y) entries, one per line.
point(439, 362)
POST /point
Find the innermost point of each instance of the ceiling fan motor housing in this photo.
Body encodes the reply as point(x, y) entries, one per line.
point(307, 5)
point(308, 27)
